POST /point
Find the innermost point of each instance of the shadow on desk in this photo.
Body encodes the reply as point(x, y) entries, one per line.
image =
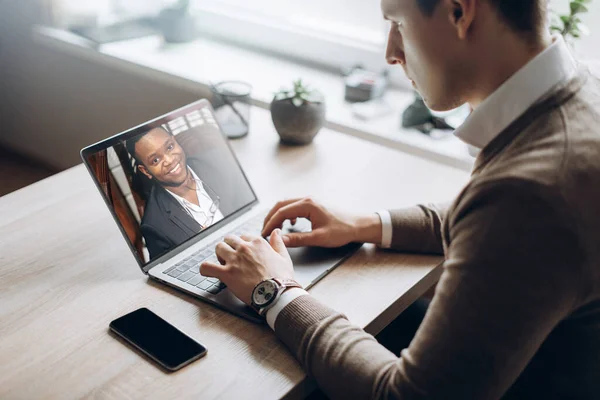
point(260, 340)
point(18, 171)
point(262, 344)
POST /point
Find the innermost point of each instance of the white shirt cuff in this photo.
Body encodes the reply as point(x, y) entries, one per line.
point(386, 231)
point(286, 298)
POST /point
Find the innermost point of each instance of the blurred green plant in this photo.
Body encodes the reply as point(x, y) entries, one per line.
point(570, 25)
point(299, 94)
point(183, 4)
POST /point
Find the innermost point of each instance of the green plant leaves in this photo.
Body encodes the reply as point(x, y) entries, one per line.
point(571, 25)
point(578, 8)
point(299, 94)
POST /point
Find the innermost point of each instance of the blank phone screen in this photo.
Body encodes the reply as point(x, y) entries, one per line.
point(159, 339)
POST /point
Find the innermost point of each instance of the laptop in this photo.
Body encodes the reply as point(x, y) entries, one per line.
point(175, 188)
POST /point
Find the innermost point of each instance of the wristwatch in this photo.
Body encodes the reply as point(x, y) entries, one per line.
point(267, 292)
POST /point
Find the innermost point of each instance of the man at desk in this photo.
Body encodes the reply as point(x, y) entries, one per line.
point(180, 203)
point(516, 313)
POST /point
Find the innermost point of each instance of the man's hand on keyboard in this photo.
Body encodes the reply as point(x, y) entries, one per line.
point(248, 260)
point(329, 228)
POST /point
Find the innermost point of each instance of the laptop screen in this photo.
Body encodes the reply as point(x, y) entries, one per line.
point(169, 180)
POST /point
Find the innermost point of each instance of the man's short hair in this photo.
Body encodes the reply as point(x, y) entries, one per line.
point(131, 142)
point(527, 16)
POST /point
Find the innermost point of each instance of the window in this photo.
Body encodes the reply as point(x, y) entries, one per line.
point(356, 20)
point(335, 34)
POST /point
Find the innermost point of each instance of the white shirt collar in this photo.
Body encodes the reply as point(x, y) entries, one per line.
point(194, 174)
point(199, 191)
point(549, 68)
point(199, 213)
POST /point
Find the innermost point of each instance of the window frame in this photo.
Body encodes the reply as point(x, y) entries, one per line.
point(306, 46)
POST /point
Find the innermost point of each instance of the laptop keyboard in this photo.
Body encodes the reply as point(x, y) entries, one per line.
point(188, 270)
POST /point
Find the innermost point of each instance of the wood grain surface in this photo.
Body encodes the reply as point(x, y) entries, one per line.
point(66, 272)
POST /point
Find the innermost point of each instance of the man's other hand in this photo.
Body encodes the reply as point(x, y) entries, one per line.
point(246, 261)
point(329, 228)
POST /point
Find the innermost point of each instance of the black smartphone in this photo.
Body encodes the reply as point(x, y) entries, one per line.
point(158, 339)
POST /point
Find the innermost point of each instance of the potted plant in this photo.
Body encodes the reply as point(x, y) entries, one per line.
point(570, 25)
point(298, 113)
point(177, 23)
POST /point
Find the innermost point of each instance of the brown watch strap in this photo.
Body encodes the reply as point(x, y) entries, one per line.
point(288, 283)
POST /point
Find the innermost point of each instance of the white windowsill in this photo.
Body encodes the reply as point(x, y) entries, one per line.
point(208, 61)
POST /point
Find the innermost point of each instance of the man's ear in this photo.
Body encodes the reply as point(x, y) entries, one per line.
point(461, 15)
point(144, 170)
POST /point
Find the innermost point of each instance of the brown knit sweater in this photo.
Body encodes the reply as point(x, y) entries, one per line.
point(517, 310)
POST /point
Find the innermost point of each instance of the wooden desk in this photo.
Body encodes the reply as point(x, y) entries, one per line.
point(65, 273)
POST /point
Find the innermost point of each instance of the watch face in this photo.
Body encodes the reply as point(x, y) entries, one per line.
point(265, 292)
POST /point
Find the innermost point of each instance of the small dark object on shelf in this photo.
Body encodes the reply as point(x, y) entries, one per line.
point(419, 116)
point(362, 85)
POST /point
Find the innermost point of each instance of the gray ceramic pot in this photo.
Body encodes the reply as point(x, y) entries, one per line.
point(297, 125)
point(177, 26)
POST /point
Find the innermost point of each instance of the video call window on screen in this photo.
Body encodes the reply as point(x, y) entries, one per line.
point(170, 180)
